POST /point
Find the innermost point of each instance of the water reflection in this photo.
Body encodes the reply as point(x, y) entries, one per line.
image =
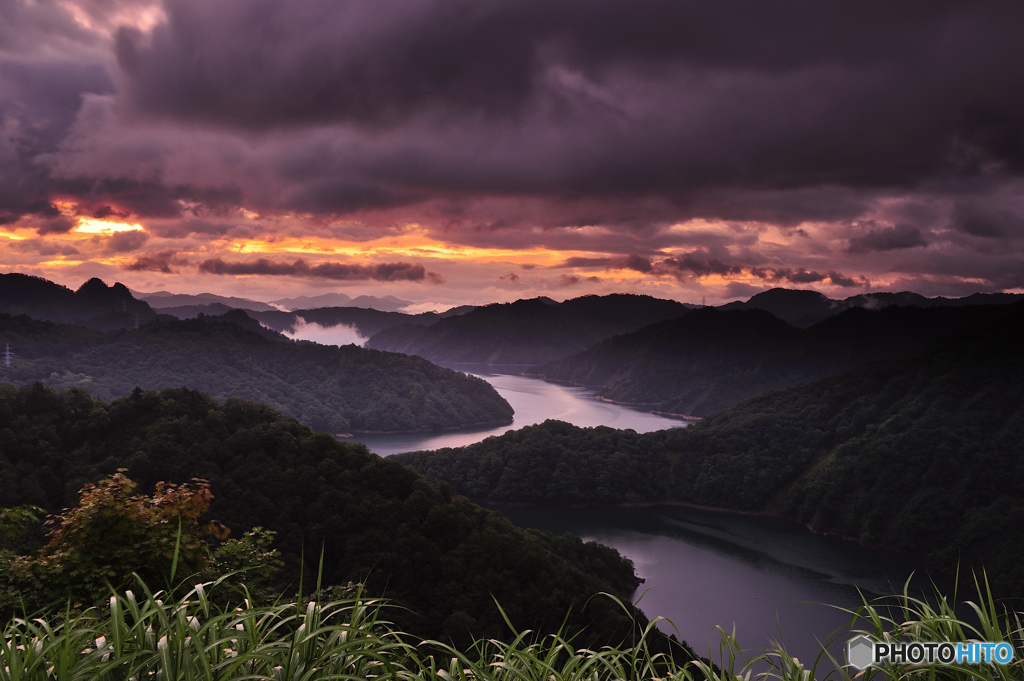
point(767, 577)
point(534, 401)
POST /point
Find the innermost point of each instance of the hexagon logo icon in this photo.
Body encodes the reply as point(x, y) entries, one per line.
point(859, 652)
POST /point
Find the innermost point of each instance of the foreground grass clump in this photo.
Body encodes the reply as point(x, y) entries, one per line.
point(191, 638)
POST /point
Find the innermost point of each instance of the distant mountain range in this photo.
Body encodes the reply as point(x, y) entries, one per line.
point(527, 332)
point(94, 304)
point(806, 308)
point(162, 300)
point(710, 359)
point(384, 304)
point(328, 388)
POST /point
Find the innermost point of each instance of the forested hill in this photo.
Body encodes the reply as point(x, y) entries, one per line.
point(379, 523)
point(329, 388)
point(94, 304)
point(710, 359)
point(527, 331)
point(924, 452)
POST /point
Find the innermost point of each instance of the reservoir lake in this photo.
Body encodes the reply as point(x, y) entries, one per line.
point(770, 579)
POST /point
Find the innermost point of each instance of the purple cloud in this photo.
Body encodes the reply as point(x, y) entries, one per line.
point(393, 271)
point(887, 239)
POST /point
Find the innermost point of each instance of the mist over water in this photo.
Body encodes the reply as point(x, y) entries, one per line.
point(340, 334)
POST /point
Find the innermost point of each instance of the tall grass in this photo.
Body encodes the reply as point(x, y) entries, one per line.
point(149, 636)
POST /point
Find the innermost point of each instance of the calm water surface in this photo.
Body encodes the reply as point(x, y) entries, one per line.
point(534, 401)
point(758, 574)
point(702, 568)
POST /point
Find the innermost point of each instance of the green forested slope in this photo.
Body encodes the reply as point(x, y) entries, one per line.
point(923, 452)
point(710, 359)
point(328, 388)
point(527, 331)
point(377, 521)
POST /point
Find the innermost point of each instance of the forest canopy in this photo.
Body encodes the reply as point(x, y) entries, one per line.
point(379, 523)
point(710, 359)
point(333, 389)
point(923, 452)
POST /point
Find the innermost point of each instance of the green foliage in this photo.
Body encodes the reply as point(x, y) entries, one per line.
point(328, 388)
point(379, 522)
point(113, 535)
point(191, 638)
point(14, 522)
point(250, 563)
point(924, 452)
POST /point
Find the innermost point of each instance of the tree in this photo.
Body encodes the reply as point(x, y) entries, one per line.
point(113, 535)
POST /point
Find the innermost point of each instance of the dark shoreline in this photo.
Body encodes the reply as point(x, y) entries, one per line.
point(479, 424)
point(699, 507)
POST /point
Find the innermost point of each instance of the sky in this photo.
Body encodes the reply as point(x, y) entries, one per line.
point(472, 151)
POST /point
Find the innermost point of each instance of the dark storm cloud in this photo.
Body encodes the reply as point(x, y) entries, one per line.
point(101, 212)
point(629, 97)
point(124, 242)
point(700, 266)
point(156, 262)
point(42, 247)
point(566, 280)
point(39, 99)
point(887, 239)
point(393, 271)
point(802, 276)
point(55, 225)
point(634, 262)
point(987, 221)
point(585, 262)
point(594, 126)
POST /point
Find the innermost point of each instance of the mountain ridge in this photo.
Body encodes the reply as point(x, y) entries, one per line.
point(330, 388)
point(712, 358)
point(526, 332)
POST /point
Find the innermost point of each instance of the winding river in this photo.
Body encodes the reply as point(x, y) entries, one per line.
point(769, 578)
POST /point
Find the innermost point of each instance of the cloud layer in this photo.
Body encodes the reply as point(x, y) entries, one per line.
point(676, 147)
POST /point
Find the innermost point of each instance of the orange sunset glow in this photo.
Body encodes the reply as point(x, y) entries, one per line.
point(515, 169)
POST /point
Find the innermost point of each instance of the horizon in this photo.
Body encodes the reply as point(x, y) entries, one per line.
point(413, 307)
point(456, 154)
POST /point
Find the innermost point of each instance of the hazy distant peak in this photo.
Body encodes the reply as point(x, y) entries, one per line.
point(164, 300)
point(383, 304)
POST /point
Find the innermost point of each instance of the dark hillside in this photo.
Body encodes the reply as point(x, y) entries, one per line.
point(94, 304)
point(377, 521)
point(328, 388)
point(923, 452)
point(710, 359)
point(527, 331)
